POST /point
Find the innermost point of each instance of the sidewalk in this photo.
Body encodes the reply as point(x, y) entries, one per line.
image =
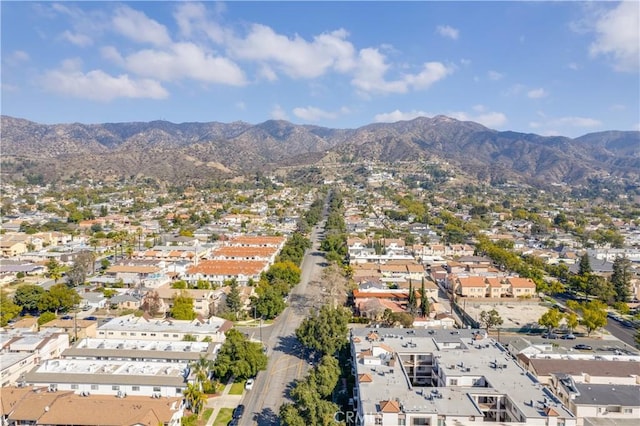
point(224, 400)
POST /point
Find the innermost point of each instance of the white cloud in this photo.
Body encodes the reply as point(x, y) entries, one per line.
point(79, 39)
point(617, 34)
point(277, 113)
point(494, 75)
point(17, 57)
point(313, 114)
point(448, 31)
point(266, 72)
point(295, 56)
point(397, 115)
point(481, 115)
point(185, 60)
point(515, 90)
point(372, 67)
point(537, 93)
point(489, 118)
point(192, 19)
point(69, 80)
point(136, 26)
point(562, 122)
point(110, 53)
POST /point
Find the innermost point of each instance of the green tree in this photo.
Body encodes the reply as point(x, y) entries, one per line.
point(59, 298)
point(183, 307)
point(233, 301)
point(412, 302)
point(28, 297)
point(180, 284)
point(424, 302)
point(290, 416)
point(325, 375)
point(585, 265)
point(325, 330)
point(621, 279)
point(77, 274)
point(286, 271)
point(195, 397)
point(239, 357)
point(572, 320)
point(8, 309)
point(54, 269)
point(490, 319)
point(269, 305)
point(594, 315)
point(45, 317)
point(550, 319)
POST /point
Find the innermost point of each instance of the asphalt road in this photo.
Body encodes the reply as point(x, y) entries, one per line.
point(287, 359)
point(625, 334)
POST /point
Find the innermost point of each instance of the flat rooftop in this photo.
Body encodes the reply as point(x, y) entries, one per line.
point(459, 353)
point(108, 371)
point(142, 349)
point(140, 324)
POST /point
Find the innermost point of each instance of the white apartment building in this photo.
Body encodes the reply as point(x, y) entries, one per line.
point(443, 377)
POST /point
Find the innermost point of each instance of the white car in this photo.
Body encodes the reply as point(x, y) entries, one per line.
point(249, 384)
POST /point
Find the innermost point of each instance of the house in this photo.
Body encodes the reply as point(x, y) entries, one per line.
point(36, 406)
point(126, 301)
point(219, 271)
point(589, 400)
point(75, 328)
point(521, 287)
point(12, 245)
point(203, 300)
point(470, 286)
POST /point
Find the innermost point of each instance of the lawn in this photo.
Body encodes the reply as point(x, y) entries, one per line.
point(205, 416)
point(224, 417)
point(237, 388)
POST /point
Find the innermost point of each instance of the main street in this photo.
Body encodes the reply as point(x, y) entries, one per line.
point(287, 362)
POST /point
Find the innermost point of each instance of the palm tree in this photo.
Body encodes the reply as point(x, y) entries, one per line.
point(201, 369)
point(195, 397)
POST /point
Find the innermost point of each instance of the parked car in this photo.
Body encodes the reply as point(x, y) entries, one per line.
point(67, 317)
point(249, 384)
point(583, 347)
point(549, 336)
point(238, 412)
point(91, 318)
point(569, 336)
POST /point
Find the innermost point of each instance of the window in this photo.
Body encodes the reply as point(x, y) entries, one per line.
point(378, 420)
point(453, 382)
point(627, 410)
point(165, 335)
point(74, 386)
point(94, 387)
point(135, 388)
point(178, 391)
point(156, 388)
point(175, 335)
point(115, 387)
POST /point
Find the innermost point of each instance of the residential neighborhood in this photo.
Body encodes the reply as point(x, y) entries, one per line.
point(114, 291)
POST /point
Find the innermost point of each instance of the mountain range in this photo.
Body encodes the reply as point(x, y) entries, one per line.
point(168, 151)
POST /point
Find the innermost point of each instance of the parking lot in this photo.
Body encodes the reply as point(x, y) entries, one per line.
point(516, 315)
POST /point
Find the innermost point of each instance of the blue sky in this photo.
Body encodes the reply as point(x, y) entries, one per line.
point(566, 68)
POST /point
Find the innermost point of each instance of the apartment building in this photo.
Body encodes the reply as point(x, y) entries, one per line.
point(443, 377)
